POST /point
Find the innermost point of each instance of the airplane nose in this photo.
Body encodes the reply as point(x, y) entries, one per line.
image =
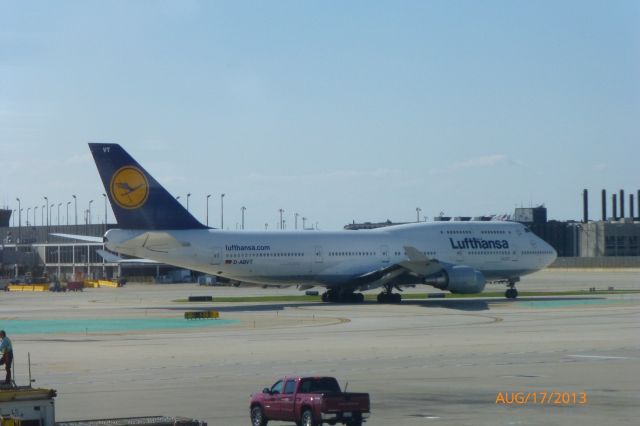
point(552, 256)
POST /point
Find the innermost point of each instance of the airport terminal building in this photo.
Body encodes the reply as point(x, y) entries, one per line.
point(33, 249)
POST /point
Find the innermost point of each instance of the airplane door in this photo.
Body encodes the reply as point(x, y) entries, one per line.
point(318, 254)
point(216, 256)
point(515, 254)
point(384, 253)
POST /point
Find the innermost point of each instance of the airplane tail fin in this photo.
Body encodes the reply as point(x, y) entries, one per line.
point(137, 199)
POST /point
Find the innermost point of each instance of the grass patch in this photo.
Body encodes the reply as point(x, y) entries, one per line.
point(415, 296)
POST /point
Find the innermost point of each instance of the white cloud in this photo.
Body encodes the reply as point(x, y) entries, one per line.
point(329, 175)
point(480, 162)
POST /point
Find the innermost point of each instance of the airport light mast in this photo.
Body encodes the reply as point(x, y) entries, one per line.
point(46, 202)
point(68, 202)
point(222, 211)
point(75, 201)
point(208, 196)
point(19, 220)
point(242, 209)
point(105, 211)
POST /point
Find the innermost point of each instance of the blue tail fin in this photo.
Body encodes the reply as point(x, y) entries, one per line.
point(137, 199)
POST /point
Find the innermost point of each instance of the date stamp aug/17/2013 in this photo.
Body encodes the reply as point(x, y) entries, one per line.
point(551, 397)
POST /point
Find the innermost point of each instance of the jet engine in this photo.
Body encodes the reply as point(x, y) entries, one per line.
point(458, 279)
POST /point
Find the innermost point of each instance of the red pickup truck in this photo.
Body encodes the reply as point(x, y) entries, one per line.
point(309, 401)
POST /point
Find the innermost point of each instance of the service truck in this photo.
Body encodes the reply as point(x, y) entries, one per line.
point(309, 401)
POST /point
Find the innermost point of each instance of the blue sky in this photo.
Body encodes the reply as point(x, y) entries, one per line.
point(338, 111)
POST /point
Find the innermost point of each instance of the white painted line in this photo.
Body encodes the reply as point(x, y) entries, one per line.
point(600, 357)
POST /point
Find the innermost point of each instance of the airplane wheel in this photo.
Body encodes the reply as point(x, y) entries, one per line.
point(325, 297)
point(511, 293)
point(358, 297)
point(381, 298)
point(396, 298)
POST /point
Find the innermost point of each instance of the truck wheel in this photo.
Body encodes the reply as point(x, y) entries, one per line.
point(257, 417)
point(307, 419)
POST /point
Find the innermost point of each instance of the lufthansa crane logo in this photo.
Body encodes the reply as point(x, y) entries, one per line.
point(129, 187)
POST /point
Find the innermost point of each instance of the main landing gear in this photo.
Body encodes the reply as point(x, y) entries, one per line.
point(387, 296)
point(511, 292)
point(345, 296)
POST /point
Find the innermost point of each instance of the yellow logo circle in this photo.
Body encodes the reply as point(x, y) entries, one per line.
point(129, 187)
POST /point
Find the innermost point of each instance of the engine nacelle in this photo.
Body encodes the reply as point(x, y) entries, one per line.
point(458, 279)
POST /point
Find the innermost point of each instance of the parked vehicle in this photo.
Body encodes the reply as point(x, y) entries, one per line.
point(309, 401)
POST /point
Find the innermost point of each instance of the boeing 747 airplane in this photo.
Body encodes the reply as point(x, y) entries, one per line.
point(460, 257)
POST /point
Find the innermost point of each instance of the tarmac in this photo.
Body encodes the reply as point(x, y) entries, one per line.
point(426, 362)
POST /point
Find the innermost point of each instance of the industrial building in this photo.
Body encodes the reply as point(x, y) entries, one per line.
point(616, 236)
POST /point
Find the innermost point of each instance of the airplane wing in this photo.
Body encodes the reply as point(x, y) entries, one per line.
point(87, 238)
point(417, 266)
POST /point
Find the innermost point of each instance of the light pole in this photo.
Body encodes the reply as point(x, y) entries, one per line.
point(281, 211)
point(304, 223)
point(105, 211)
point(28, 211)
point(19, 220)
point(188, 195)
point(59, 204)
point(296, 221)
point(208, 196)
point(75, 205)
point(42, 215)
point(89, 213)
point(50, 213)
point(35, 210)
point(46, 202)
point(418, 210)
point(221, 211)
point(68, 202)
point(242, 209)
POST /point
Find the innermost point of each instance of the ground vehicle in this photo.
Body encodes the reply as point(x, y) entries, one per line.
point(309, 401)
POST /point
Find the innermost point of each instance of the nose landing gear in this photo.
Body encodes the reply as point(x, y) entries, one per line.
point(511, 292)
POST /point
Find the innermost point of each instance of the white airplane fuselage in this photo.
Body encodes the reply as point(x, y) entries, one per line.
point(499, 250)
